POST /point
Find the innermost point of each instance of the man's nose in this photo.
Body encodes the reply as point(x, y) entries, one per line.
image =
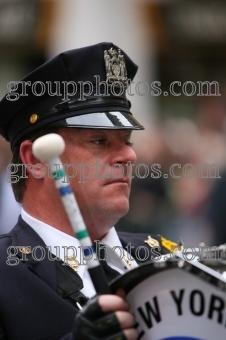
point(123, 154)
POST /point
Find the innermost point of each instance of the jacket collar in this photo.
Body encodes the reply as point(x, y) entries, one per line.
point(135, 241)
point(31, 248)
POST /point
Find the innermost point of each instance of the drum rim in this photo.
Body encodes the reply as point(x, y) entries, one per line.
point(132, 278)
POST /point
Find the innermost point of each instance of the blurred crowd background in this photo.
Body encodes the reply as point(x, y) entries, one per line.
point(170, 40)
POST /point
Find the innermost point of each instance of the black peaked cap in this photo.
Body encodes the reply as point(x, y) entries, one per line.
point(20, 114)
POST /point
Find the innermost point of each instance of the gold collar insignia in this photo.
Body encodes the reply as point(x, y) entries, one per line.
point(72, 262)
point(152, 242)
point(25, 250)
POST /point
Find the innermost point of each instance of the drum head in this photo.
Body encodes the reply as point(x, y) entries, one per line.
point(171, 303)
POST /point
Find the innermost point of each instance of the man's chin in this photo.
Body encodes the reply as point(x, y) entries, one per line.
point(120, 208)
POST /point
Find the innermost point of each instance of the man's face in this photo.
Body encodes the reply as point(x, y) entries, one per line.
point(103, 180)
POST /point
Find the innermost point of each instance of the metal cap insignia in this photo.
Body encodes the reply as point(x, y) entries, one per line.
point(115, 67)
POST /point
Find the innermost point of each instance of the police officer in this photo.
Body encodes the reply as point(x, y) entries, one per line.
point(81, 95)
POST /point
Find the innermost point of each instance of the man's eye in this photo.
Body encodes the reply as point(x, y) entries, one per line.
point(99, 141)
point(129, 143)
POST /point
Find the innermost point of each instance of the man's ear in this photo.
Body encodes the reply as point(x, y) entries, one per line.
point(32, 164)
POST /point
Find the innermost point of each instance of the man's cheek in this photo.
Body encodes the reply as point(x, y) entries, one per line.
point(102, 170)
point(70, 170)
point(85, 172)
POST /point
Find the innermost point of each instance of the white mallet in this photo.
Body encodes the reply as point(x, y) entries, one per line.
point(49, 148)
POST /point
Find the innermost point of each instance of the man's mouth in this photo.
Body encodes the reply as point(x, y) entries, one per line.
point(118, 181)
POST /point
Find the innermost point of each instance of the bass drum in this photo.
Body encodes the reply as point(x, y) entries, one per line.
point(175, 303)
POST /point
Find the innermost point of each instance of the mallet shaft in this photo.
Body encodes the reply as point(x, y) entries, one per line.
point(49, 147)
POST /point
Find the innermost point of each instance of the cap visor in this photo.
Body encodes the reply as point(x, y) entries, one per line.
point(101, 120)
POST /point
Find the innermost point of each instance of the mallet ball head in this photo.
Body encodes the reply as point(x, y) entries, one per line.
point(48, 146)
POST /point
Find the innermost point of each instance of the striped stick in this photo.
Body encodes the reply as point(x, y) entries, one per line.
point(49, 147)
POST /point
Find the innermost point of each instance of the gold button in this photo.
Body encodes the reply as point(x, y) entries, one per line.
point(34, 117)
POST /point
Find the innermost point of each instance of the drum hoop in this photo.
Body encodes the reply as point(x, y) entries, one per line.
point(131, 279)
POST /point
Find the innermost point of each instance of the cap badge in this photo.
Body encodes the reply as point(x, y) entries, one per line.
point(152, 242)
point(115, 67)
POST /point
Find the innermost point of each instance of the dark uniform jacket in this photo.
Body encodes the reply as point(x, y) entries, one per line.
point(30, 306)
